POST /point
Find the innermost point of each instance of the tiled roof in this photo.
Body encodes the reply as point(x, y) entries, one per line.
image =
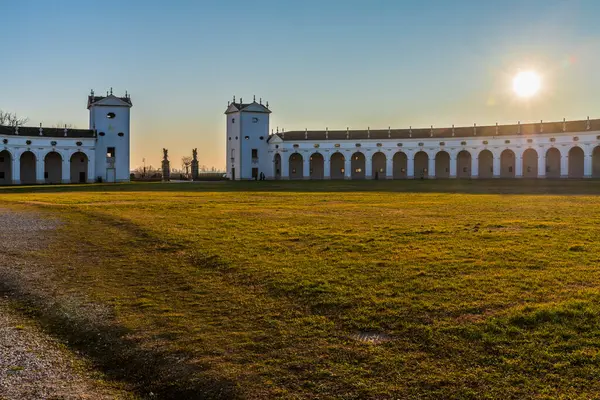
point(46, 132)
point(468, 131)
point(94, 99)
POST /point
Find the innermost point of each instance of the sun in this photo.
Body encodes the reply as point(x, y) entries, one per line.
point(526, 83)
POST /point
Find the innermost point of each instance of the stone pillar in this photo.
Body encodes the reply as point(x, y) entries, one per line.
point(16, 170)
point(542, 165)
point(166, 171)
point(66, 169)
point(348, 167)
point(368, 167)
point(518, 166)
point(285, 167)
point(496, 166)
point(389, 167)
point(431, 168)
point(453, 166)
point(39, 169)
point(474, 167)
point(564, 166)
point(326, 166)
point(587, 166)
point(410, 167)
point(194, 164)
point(306, 167)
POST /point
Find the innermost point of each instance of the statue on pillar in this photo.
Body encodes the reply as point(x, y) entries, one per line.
point(166, 168)
point(194, 164)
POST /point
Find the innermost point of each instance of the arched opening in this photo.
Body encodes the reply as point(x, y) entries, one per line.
point(553, 163)
point(463, 164)
point(507, 164)
point(421, 165)
point(485, 164)
point(277, 166)
point(442, 165)
point(576, 158)
point(79, 167)
point(596, 162)
point(27, 166)
point(296, 166)
point(317, 166)
point(400, 164)
point(337, 169)
point(358, 165)
point(5, 168)
point(530, 163)
point(53, 167)
point(379, 162)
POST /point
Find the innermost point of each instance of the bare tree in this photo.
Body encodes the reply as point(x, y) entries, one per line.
point(186, 162)
point(11, 119)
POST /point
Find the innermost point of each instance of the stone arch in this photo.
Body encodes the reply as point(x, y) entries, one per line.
point(485, 164)
point(507, 164)
point(463, 164)
point(5, 167)
point(53, 167)
point(337, 165)
point(296, 166)
point(277, 166)
point(442, 165)
point(79, 167)
point(596, 162)
point(27, 163)
point(576, 162)
point(421, 165)
point(378, 165)
point(399, 165)
point(553, 163)
point(530, 163)
point(317, 166)
point(358, 164)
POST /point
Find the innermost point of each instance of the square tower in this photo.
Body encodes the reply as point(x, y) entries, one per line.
point(247, 135)
point(110, 118)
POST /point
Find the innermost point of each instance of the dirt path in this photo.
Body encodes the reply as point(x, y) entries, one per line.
point(33, 365)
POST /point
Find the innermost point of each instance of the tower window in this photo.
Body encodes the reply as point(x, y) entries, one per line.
point(121, 134)
point(254, 120)
point(110, 115)
point(110, 152)
point(254, 153)
point(101, 134)
point(261, 138)
point(247, 137)
point(233, 120)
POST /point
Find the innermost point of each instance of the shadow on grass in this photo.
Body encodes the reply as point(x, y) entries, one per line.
point(147, 372)
point(459, 186)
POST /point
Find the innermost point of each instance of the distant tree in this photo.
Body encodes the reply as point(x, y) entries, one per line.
point(11, 119)
point(186, 162)
point(61, 124)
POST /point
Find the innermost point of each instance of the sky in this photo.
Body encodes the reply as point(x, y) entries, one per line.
point(325, 63)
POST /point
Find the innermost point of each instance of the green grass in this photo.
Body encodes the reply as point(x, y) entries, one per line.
point(487, 289)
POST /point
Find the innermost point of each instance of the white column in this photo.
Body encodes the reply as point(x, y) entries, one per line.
point(285, 166)
point(389, 167)
point(587, 166)
point(306, 167)
point(326, 166)
point(474, 167)
point(410, 167)
point(542, 164)
point(16, 170)
point(66, 169)
point(518, 166)
point(39, 169)
point(348, 167)
point(431, 168)
point(369, 167)
point(453, 166)
point(564, 166)
point(496, 166)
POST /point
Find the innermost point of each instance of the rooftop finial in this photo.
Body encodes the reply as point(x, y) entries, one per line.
point(519, 128)
point(588, 123)
point(431, 132)
point(496, 129)
point(111, 91)
point(260, 101)
point(92, 93)
point(241, 100)
point(267, 104)
point(254, 99)
point(474, 129)
point(234, 98)
point(541, 126)
point(65, 130)
point(452, 129)
point(126, 94)
point(564, 124)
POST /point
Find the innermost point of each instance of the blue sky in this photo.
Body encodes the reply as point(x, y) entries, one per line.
point(318, 63)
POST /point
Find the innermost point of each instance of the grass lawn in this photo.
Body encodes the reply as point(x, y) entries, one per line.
point(484, 289)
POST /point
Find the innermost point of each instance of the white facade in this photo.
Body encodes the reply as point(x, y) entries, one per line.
point(567, 149)
point(30, 155)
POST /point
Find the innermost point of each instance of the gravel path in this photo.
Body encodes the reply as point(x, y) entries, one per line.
point(33, 365)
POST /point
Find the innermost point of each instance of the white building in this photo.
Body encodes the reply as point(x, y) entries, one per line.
point(567, 149)
point(55, 155)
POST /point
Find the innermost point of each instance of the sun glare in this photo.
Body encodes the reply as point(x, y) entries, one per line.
point(526, 83)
